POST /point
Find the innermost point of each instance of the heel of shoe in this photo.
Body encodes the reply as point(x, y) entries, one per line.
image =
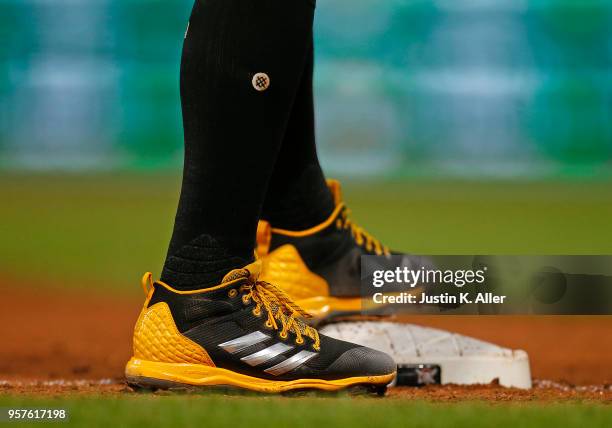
point(156, 338)
point(144, 375)
point(285, 268)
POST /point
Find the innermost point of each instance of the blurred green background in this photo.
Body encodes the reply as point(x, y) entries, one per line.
point(459, 126)
point(470, 88)
point(102, 231)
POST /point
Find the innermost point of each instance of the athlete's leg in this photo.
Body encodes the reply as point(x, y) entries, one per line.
point(298, 197)
point(211, 321)
point(233, 131)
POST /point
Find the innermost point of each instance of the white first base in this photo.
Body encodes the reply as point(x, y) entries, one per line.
point(462, 360)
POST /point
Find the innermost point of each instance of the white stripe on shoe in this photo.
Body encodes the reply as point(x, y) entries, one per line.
point(243, 342)
point(290, 363)
point(266, 354)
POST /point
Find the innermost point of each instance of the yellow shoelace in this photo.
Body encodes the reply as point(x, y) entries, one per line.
point(361, 235)
point(280, 308)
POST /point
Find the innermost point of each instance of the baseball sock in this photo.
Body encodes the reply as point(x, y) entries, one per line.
point(298, 197)
point(240, 72)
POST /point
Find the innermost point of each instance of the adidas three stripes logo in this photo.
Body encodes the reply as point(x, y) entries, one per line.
point(260, 357)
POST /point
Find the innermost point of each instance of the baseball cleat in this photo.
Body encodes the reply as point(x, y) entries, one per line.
point(320, 268)
point(242, 333)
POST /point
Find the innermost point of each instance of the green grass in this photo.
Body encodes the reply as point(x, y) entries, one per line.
point(216, 410)
point(84, 229)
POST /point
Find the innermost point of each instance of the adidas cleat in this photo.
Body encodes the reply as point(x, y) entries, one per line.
point(320, 268)
point(242, 333)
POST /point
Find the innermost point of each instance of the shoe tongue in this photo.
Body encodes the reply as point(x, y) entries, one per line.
point(250, 272)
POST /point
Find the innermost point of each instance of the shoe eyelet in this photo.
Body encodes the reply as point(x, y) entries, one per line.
point(246, 300)
point(257, 312)
point(232, 293)
point(283, 336)
point(299, 341)
point(269, 324)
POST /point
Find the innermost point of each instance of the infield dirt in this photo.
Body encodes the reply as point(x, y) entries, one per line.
point(78, 342)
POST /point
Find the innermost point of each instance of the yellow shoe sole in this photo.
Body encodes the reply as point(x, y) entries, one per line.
point(156, 375)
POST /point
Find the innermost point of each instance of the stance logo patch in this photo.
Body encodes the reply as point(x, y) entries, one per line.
point(261, 82)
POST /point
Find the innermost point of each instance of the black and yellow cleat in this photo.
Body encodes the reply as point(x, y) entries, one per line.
point(320, 268)
point(242, 333)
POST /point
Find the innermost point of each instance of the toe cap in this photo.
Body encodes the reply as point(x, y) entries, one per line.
point(362, 361)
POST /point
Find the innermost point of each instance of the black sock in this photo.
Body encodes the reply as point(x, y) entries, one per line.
point(298, 197)
point(233, 131)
